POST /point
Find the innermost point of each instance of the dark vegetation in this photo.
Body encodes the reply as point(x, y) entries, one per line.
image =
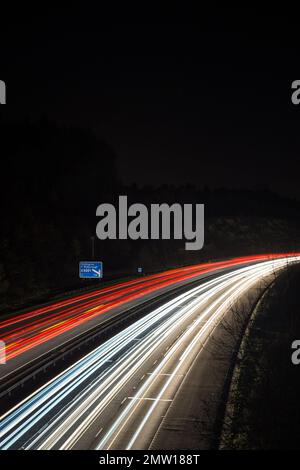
point(264, 404)
point(52, 180)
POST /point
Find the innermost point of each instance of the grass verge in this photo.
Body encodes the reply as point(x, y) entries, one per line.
point(263, 411)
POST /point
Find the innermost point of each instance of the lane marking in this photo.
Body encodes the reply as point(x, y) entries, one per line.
point(100, 430)
point(157, 375)
point(149, 399)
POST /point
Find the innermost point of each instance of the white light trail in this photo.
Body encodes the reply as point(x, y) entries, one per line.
point(58, 414)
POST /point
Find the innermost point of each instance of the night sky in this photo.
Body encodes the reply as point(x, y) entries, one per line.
point(207, 102)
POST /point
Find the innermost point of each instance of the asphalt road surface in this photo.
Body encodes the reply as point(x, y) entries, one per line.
point(119, 395)
point(34, 333)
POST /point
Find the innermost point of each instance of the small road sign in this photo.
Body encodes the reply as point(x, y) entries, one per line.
point(90, 269)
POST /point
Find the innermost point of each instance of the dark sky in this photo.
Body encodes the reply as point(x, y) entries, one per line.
point(207, 102)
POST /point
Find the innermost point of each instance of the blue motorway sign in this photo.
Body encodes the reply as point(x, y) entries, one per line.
point(90, 269)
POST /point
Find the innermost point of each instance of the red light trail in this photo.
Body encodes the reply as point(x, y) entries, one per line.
point(25, 331)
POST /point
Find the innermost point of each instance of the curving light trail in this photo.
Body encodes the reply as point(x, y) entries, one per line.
point(60, 414)
point(25, 331)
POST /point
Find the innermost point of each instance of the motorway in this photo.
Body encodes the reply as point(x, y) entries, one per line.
point(34, 333)
point(116, 396)
point(28, 330)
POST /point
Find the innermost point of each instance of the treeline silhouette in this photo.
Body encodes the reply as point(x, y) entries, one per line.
point(52, 180)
